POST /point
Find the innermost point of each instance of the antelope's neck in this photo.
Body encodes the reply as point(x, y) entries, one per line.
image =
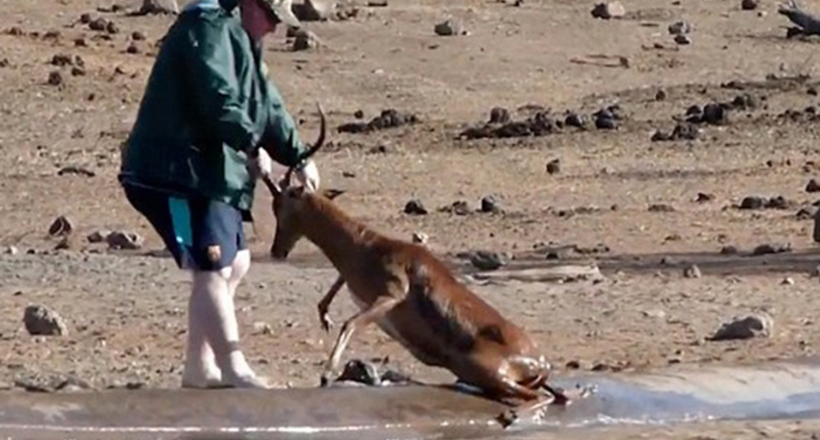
point(335, 233)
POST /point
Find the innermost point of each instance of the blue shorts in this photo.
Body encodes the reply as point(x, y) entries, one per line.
point(201, 234)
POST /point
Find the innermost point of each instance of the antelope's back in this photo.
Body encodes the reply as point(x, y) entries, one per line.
point(459, 318)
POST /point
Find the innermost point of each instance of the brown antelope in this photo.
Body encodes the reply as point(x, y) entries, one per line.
point(414, 298)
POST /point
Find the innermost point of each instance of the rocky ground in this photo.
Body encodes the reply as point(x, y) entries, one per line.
point(638, 143)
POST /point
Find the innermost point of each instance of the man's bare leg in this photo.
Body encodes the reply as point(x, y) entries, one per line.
point(212, 308)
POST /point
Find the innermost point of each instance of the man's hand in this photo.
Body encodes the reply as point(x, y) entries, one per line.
point(309, 176)
point(260, 164)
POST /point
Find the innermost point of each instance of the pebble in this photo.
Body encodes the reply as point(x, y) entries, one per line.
point(766, 248)
point(683, 40)
point(124, 240)
point(744, 327)
point(807, 213)
point(660, 95)
point(554, 166)
point(752, 202)
point(305, 40)
point(714, 114)
point(39, 320)
point(415, 207)
point(132, 48)
point(420, 237)
point(61, 226)
point(448, 28)
point(489, 204)
point(813, 186)
point(55, 78)
point(679, 28)
point(729, 250)
point(748, 5)
point(788, 281)
point(575, 120)
point(661, 207)
point(499, 115)
point(137, 36)
point(486, 260)
point(692, 271)
point(608, 10)
point(12, 250)
point(704, 197)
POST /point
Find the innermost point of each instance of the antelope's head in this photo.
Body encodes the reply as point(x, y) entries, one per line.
point(289, 202)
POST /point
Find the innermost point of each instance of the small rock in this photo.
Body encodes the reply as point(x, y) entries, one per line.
point(766, 248)
point(660, 95)
point(679, 28)
point(554, 166)
point(85, 18)
point(414, 207)
point(448, 28)
point(489, 204)
point(683, 40)
point(608, 10)
point(656, 314)
point(39, 320)
point(132, 48)
point(661, 207)
point(485, 260)
point(61, 226)
point(61, 60)
point(55, 78)
point(812, 186)
point(575, 120)
point(377, 3)
point(80, 42)
point(77, 71)
point(573, 365)
point(262, 328)
point(12, 250)
point(729, 250)
point(748, 5)
point(745, 327)
point(777, 202)
point(807, 213)
point(714, 114)
point(752, 202)
point(124, 240)
point(73, 169)
point(459, 207)
point(499, 115)
point(112, 28)
point(358, 114)
point(704, 197)
point(692, 271)
point(660, 136)
point(420, 238)
point(605, 123)
point(305, 40)
point(138, 36)
point(98, 24)
point(788, 281)
point(98, 236)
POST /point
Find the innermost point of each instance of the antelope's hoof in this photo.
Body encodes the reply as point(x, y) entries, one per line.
point(325, 381)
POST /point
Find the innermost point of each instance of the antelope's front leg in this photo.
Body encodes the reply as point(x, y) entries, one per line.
point(375, 312)
point(324, 303)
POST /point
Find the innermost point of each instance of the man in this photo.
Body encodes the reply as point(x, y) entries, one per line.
point(191, 162)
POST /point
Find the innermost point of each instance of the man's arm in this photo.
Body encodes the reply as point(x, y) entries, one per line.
point(216, 88)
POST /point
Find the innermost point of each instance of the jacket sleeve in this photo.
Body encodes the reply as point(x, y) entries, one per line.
point(217, 90)
point(281, 138)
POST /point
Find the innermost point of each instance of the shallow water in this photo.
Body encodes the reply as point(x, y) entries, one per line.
point(689, 394)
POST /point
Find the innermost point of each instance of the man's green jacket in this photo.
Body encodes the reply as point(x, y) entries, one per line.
point(207, 104)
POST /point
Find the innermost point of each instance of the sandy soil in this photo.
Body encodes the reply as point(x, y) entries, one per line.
point(125, 309)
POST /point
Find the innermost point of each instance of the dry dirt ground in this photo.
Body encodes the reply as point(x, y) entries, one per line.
point(125, 309)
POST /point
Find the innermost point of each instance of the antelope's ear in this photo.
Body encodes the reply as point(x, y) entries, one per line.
point(333, 193)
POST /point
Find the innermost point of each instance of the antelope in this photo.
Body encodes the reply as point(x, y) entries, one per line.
point(414, 298)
